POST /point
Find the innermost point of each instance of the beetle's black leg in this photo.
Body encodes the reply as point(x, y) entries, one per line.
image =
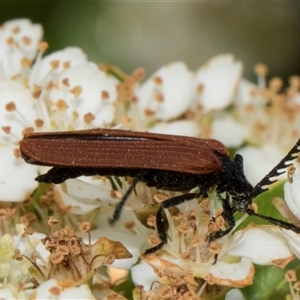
point(60, 174)
point(279, 169)
point(160, 221)
point(118, 209)
point(171, 202)
point(228, 217)
point(277, 222)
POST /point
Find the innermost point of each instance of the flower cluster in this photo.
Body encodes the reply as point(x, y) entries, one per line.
point(64, 91)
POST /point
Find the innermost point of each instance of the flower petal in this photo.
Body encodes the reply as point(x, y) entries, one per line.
point(218, 80)
point(18, 42)
point(80, 197)
point(15, 172)
point(236, 275)
point(264, 245)
point(148, 277)
point(265, 157)
point(235, 132)
point(169, 92)
point(292, 195)
point(180, 127)
point(61, 290)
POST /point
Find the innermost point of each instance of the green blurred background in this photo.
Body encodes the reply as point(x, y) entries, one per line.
point(151, 34)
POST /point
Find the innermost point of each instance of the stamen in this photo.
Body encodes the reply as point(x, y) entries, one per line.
point(54, 64)
point(76, 91)
point(104, 95)
point(61, 104)
point(26, 62)
point(88, 118)
point(26, 40)
point(290, 276)
point(43, 46)
point(10, 106)
point(6, 129)
point(66, 64)
point(39, 123)
point(157, 80)
point(17, 153)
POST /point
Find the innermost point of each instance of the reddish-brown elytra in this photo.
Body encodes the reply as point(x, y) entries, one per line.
point(168, 162)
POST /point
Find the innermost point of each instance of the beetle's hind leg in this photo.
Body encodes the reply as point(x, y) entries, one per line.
point(160, 226)
point(227, 214)
point(118, 209)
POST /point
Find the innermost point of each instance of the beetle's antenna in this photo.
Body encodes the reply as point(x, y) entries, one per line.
point(279, 169)
point(274, 221)
point(116, 215)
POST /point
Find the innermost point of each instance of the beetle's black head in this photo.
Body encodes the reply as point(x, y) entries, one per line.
point(234, 182)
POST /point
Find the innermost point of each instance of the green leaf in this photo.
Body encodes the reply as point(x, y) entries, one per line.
point(269, 282)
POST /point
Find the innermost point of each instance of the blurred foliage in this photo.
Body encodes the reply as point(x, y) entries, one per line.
point(151, 34)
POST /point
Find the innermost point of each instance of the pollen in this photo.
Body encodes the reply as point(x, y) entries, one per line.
point(61, 104)
point(25, 62)
point(153, 240)
point(261, 69)
point(66, 64)
point(76, 91)
point(10, 41)
point(88, 118)
point(157, 80)
point(116, 194)
point(214, 247)
point(38, 123)
point(55, 291)
point(290, 171)
point(296, 286)
point(36, 93)
point(160, 197)
point(43, 46)
point(159, 97)
point(16, 30)
point(200, 88)
point(17, 153)
point(183, 228)
point(27, 130)
point(104, 95)
point(129, 225)
point(26, 40)
point(275, 84)
point(65, 82)
point(290, 276)
point(10, 106)
point(84, 227)
point(139, 74)
point(54, 64)
point(149, 113)
point(6, 129)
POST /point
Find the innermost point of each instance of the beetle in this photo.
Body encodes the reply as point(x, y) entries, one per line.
point(168, 162)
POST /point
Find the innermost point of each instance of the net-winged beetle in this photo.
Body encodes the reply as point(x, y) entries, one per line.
point(168, 162)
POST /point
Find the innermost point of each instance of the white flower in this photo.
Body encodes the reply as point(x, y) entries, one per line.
point(168, 93)
point(217, 81)
point(180, 127)
point(236, 132)
point(19, 41)
point(62, 91)
point(58, 289)
point(128, 230)
point(265, 157)
point(186, 251)
point(248, 94)
point(292, 198)
point(80, 197)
